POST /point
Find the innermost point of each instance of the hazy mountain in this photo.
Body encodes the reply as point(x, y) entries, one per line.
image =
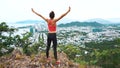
point(42, 21)
point(29, 22)
point(99, 20)
point(77, 23)
point(69, 22)
point(64, 21)
point(114, 20)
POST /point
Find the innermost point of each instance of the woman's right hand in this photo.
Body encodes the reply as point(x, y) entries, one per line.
point(32, 10)
point(69, 8)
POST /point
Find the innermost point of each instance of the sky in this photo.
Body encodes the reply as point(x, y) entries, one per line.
point(18, 10)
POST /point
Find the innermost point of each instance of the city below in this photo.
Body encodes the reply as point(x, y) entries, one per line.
point(76, 33)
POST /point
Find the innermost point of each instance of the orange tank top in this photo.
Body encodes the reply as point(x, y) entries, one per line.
point(51, 26)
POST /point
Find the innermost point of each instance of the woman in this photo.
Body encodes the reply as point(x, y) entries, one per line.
point(52, 32)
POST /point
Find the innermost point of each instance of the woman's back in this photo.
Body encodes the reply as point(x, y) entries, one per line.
point(51, 25)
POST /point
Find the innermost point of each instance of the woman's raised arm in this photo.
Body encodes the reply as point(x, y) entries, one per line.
point(38, 14)
point(64, 14)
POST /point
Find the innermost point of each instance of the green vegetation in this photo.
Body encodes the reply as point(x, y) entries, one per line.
point(7, 39)
point(105, 54)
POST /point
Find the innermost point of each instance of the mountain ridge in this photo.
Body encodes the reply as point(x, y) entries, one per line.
point(99, 20)
point(29, 21)
point(64, 21)
point(68, 22)
point(77, 23)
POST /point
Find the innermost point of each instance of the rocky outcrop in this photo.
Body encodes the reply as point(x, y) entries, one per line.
point(18, 60)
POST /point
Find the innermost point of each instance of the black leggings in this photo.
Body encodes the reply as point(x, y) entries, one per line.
point(52, 38)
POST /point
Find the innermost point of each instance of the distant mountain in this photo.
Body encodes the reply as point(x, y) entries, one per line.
point(29, 22)
point(64, 21)
point(114, 20)
point(99, 20)
point(42, 21)
point(77, 23)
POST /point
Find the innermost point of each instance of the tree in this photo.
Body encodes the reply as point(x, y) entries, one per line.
point(6, 38)
point(105, 54)
point(70, 50)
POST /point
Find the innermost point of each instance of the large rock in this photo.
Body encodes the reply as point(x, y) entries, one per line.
point(18, 60)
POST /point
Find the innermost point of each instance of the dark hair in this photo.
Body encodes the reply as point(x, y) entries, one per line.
point(52, 15)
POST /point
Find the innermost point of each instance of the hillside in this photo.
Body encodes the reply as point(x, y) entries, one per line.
point(19, 60)
point(29, 21)
point(99, 20)
point(77, 23)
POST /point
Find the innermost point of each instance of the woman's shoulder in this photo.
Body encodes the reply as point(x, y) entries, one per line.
point(51, 20)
